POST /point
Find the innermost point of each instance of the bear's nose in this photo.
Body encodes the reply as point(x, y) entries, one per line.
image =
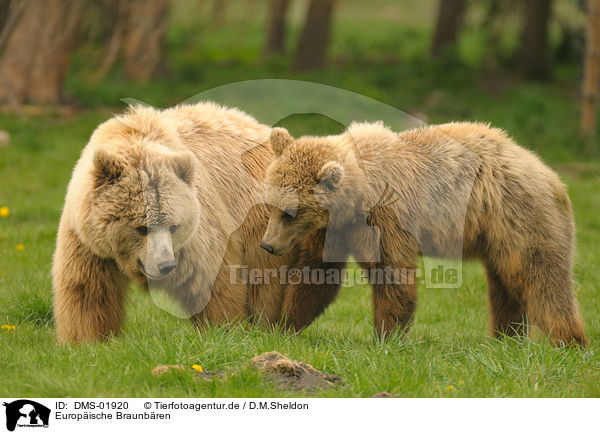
point(166, 267)
point(267, 247)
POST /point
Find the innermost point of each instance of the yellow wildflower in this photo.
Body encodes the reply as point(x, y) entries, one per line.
point(8, 327)
point(460, 382)
point(451, 388)
point(20, 247)
point(197, 368)
point(4, 212)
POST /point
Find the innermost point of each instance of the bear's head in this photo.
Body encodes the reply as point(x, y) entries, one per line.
point(143, 208)
point(304, 184)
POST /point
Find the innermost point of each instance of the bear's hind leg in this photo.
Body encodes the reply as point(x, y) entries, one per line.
point(507, 312)
point(552, 307)
point(545, 281)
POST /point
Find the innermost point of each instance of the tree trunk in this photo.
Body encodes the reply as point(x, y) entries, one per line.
point(38, 50)
point(4, 10)
point(218, 12)
point(449, 21)
point(591, 72)
point(312, 47)
point(276, 36)
point(116, 16)
point(143, 40)
point(535, 55)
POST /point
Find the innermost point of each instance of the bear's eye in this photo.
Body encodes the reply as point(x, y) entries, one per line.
point(142, 230)
point(289, 214)
point(173, 228)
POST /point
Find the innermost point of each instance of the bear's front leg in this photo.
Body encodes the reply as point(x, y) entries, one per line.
point(89, 292)
point(303, 302)
point(393, 304)
point(318, 285)
point(392, 278)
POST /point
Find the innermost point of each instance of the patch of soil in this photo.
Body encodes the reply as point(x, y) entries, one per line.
point(210, 375)
point(292, 374)
point(163, 369)
point(204, 375)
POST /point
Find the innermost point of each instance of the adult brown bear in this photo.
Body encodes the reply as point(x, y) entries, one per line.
point(172, 199)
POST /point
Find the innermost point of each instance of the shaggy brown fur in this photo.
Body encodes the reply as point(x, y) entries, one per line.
point(456, 190)
point(169, 199)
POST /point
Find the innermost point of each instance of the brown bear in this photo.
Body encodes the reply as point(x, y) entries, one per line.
point(453, 190)
point(173, 200)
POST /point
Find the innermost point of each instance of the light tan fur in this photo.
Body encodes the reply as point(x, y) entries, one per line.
point(453, 190)
point(192, 173)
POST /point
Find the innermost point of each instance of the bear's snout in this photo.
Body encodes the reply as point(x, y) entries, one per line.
point(159, 259)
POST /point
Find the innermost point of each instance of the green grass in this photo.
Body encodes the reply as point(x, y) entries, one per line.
point(448, 343)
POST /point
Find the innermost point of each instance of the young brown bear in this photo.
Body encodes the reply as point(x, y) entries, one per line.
point(453, 190)
point(171, 199)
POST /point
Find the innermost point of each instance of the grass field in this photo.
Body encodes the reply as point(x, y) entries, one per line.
point(447, 353)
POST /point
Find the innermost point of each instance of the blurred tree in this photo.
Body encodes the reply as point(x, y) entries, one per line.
point(498, 15)
point(315, 37)
point(143, 38)
point(571, 44)
point(276, 37)
point(4, 9)
point(112, 15)
point(37, 41)
point(535, 54)
point(591, 71)
point(218, 11)
point(449, 22)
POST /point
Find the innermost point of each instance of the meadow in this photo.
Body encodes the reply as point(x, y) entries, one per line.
point(448, 351)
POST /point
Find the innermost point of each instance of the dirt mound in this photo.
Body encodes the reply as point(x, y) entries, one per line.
point(292, 374)
point(286, 373)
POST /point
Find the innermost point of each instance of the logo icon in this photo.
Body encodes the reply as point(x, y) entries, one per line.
point(26, 413)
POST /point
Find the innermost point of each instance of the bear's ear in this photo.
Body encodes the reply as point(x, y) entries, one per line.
point(331, 174)
point(280, 139)
point(107, 167)
point(184, 165)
